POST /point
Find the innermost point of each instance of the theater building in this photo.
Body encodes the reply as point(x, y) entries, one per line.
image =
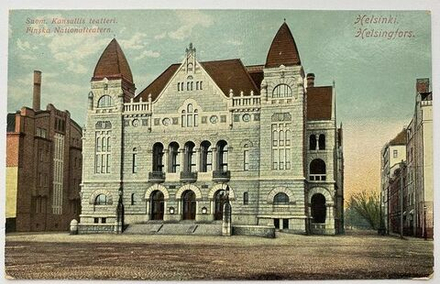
point(168, 152)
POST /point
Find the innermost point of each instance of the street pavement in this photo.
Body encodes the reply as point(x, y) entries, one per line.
point(356, 255)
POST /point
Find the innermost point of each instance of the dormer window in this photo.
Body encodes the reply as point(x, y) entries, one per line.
point(190, 67)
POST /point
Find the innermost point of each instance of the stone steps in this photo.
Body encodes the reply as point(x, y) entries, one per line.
point(183, 228)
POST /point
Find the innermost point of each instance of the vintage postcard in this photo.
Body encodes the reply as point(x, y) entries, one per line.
point(200, 144)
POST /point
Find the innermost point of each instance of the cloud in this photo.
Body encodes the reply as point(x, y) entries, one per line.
point(74, 49)
point(23, 45)
point(148, 53)
point(189, 20)
point(160, 36)
point(137, 41)
point(234, 42)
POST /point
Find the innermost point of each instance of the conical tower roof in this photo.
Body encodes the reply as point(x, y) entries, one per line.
point(113, 64)
point(283, 50)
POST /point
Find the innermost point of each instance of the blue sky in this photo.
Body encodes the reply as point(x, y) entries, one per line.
point(375, 77)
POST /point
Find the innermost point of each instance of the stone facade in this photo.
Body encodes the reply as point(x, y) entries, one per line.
point(203, 127)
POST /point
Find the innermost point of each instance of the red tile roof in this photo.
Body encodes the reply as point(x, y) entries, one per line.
point(400, 139)
point(283, 50)
point(112, 64)
point(319, 103)
point(227, 74)
point(231, 74)
point(257, 74)
point(156, 87)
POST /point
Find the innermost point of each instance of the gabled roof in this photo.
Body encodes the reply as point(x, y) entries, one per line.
point(112, 64)
point(156, 87)
point(319, 103)
point(400, 139)
point(283, 50)
point(227, 74)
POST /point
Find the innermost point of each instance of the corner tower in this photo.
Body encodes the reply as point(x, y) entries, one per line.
point(282, 128)
point(111, 86)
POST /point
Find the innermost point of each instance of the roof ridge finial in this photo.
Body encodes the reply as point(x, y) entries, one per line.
point(284, 20)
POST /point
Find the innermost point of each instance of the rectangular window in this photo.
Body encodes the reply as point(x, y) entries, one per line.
point(246, 160)
point(96, 220)
point(395, 153)
point(134, 167)
point(103, 220)
point(245, 198)
point(107, 168)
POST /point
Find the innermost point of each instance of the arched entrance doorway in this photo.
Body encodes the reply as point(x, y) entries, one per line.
point(318, 208)
point(188, 205)
point(219, 201)
point(157, 205)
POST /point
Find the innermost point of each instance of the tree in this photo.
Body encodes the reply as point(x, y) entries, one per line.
point(367, 205)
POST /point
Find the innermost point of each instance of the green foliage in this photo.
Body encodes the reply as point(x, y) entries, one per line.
point(365, 205)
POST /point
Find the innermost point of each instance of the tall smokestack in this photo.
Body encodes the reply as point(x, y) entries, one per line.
point(37, 90)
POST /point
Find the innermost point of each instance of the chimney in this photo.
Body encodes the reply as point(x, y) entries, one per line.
point(310, 80)
point(37, 90)
point(422, 85)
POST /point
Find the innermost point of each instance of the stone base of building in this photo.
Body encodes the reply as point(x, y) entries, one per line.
point(96, 228)
point(257, 231)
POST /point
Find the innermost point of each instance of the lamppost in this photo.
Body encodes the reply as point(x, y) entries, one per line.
point(425, 235)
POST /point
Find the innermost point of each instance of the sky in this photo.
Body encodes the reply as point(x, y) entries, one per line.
point(374, 76)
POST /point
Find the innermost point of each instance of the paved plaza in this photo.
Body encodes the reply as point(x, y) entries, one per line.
point(136, 257)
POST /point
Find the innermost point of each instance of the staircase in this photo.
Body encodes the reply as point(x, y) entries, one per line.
point(182, 228)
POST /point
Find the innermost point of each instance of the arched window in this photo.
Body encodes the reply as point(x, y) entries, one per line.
point(178, 87)
point(101, 199)
point(174, 158)
point(318, 209)
point(282, 91)
point(105, 101)
point(321, 142)
point(317, 170)
point(189, 116)
point(206, 157)
point(312, 144)
point(281, 199)
point(245, 198)
point(157, 157)
point(222, 154)
point(189, 158)
point(132, 199)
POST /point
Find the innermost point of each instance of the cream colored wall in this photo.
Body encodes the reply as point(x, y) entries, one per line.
point(11, 191)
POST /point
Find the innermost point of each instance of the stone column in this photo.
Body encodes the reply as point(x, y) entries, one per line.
point(227, 220)
point(165, 161)
point(214, 158)
point(197, 157)
point(147, 208)
point(182, 159)
point(330, 220)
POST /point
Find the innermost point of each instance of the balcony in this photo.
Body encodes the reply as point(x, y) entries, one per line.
point(221, 176)
point(156, 176)
point(188, 176)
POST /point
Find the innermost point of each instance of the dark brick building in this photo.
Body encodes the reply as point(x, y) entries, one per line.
point(43, 167)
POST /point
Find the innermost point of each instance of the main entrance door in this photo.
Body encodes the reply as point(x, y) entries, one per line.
point(219, 201)
point(318, 208)
point(189, 205)
point(157, 205)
